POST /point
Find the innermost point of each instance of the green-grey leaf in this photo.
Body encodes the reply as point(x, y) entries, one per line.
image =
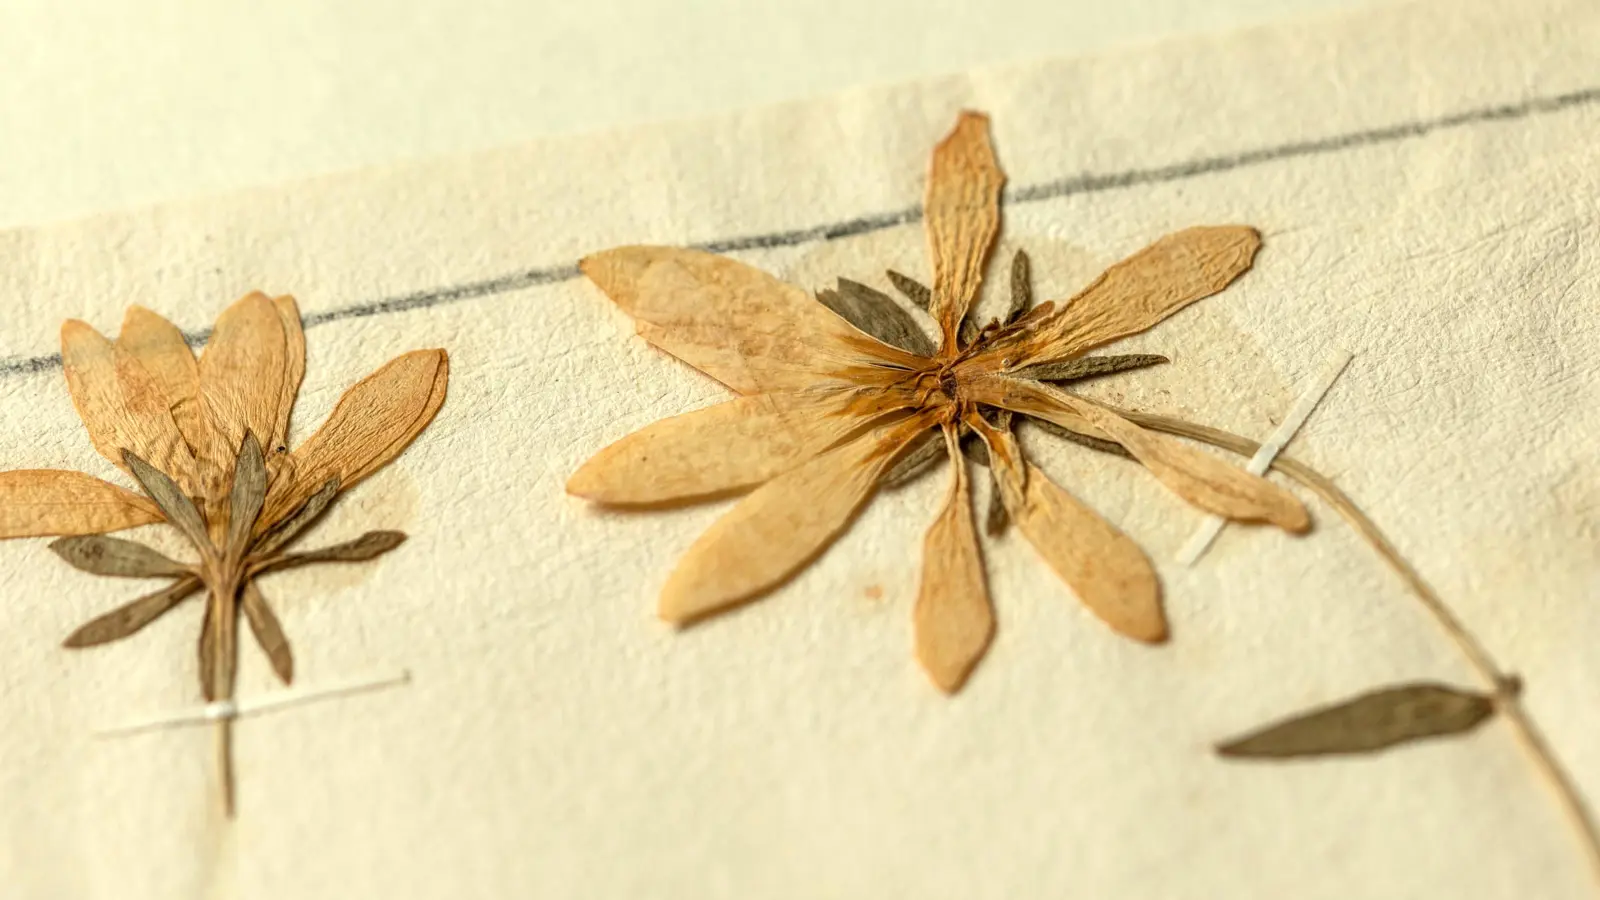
point(875, 313)
point(914, 290)
point(1090, 367)
point(268, 630)
point(177, 507)
point(290, 527)
point(249, 492)
point(1021, 288)
point(923, 455)
point(368, 546)
point(1093, 443)
point(998, 518)
point(105, 555)
point(130, 617)
point(1368, 723)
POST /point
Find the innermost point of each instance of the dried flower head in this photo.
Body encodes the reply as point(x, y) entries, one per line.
point(204, 439)
point(841, 395)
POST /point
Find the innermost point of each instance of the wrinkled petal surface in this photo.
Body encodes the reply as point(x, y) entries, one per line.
point(962, 209)
point(953, 618)
point(54, 502)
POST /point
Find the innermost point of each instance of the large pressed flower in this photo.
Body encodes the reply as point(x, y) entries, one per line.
point(204, 439)
point(838, 396)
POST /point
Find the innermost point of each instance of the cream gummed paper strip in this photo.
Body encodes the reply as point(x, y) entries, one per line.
point(1423, 180)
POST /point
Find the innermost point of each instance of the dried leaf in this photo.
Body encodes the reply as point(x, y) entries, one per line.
point(733, 322)
point(371, 545)
point(1099, 445)
point(1145, 288)
point(954, 620)
point(1103, 566)
point(925, 452)
point(962, 216)
point(159, 346)
point(781, 525)
point(47, 502)
point(121, 404)
point(727, 447)
point(242, 374)
point(268, 631)
point(130, 617)
point(876, 314)
point(1021, 287)
point(99, 554)
point(1368, 723)
point(288, 528)
point(371, 424)
point(1089, 367)
point(178, 508)
point(918, 293)
point(249, 493)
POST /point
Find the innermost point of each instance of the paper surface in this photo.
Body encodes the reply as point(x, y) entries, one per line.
point(1424, 183)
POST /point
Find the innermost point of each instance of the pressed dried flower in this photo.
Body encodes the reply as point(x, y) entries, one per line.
point(204, 439)
point(842, 395)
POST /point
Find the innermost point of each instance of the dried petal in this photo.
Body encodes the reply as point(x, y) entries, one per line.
point(372, 423)
point(121, 404)
point(159, 346)
point(727, 447)
point(1103, 566)
point(781, 525)
point(178, 508)
point(242, 373)
point(265, 626)
point(953, 617)
point(1145, 288)
point(294, 371)
point(733, 322)
point(962, 214)
point(1368, 723)
point(99, 554)
point(46, 502)
point(130, 617)
point(876, 314)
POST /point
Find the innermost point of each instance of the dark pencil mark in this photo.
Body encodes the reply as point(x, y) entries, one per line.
point(1087, 183)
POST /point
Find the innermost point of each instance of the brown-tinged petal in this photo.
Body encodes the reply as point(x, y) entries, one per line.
point(242, 374)
point(1197, 476)
point(130, 617)
point(782, 525)
point(953, 617)
point(727, 447)
point(159, 346)
point(370, 425)
point(962, 210)
point(122, 405)
point(294, 371)
point(734, 322)
point(1103, 566)
point(268, 630)
point(1145, 288)
point(47, 502)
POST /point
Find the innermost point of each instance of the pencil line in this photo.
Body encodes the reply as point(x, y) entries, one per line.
point(1087, 183)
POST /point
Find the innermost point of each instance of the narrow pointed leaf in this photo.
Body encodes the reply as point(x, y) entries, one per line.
point(961, 210)
point(288, 528)
point(1021, 287)
point(918, 293)
point(102, 555)
point(177, 507)
point(954, 620)
point(1089, 367)
point(1368, 723)
point(926, 452)
point(876, 314)
point(130, 617)
point(46, 502)
point(268, 630)
point(249, 492)
point(781, 525)
point(368, 546)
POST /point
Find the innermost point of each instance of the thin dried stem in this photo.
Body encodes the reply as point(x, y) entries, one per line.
point(1505, 686)
point(225, 762)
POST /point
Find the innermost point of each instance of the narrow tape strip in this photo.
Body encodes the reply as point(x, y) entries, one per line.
point(1269, 450)
point(231, 709)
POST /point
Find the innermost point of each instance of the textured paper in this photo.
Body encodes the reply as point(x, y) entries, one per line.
point(1424, 183)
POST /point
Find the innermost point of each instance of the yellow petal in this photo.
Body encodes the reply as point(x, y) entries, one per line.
point(1145, 288)
point(121, 403)
point(953, 618)
point(733, 322)
point(962, 209)
point(48, 502)
point(727, 447)
point(782, 525)
point(370, 425)
point(294, 370)
point(242, 374)
point(1103, 566)
point(1196, 476)
point(159, 346)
